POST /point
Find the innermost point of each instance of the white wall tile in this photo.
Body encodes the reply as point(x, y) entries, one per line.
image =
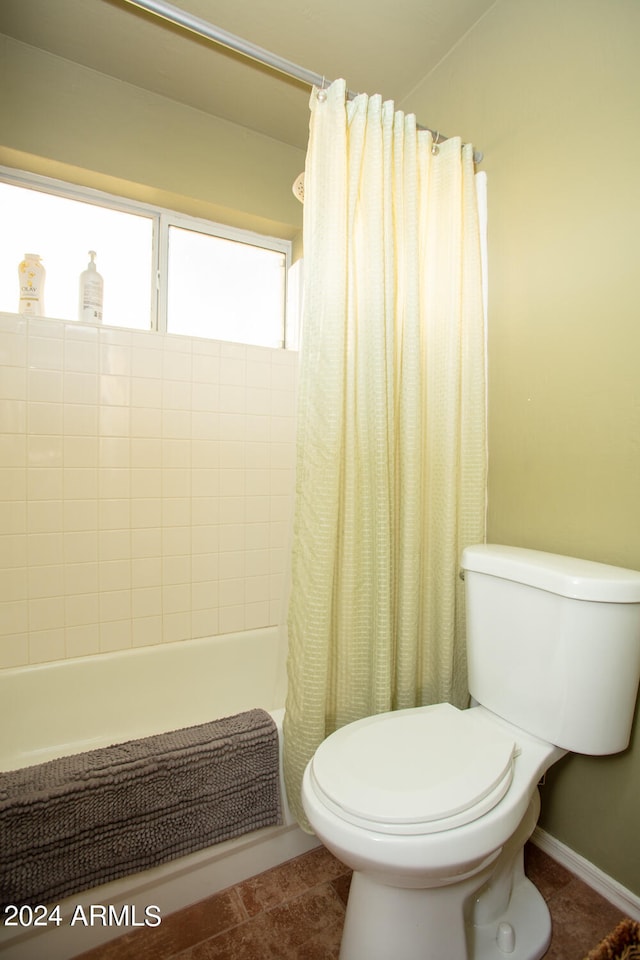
point(113, 390)
point(14, 617)
point(114, 451)
point(82, 578)
point(13, 483)
point(205, 510)
point(258, 509)
point(115, 635)
point(46, 645)
point(14, 650)
point(46, 613)
point(146, 422)
point(205, 396)
point(13, 547)
point(204, 426)
point(176, 365)
point(231, 619)
point(146, 487)
point(80, 483)
point(146, 631)
point(114, 421)
point(80, 387)
point(176, 424)
point(80, 451)
point(176, 626)
point(177, 453)
point(44, 549)
point(146, 602)
point(205, 623)
point(13, 416)
point(80, 514)
point(256, 615)
point(14, 583)
point(82, 641)
point(45, 386)
point(80, 419)
point(146, 452)
point(45, 516)
point(146, 392)
point(115, 359)
point(80, 546)
point(204, 595)
point(205, 538)
point(114, 545)
point(46, 581)
point(45, 418)
point(13, 383)
point(145, 571)
point(46, 354)
point(81, 356)
point(176, 483)
point(205, 567)
point(205, 369)
point(13, 348)
point(82, 610)
point(146, 362)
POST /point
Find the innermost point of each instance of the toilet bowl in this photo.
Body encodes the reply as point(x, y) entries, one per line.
point(432, 806)
point(463, 783)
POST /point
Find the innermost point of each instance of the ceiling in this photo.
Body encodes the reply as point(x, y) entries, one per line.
point(377, 46)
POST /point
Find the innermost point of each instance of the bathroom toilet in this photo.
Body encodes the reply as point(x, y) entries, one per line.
point(432, 806)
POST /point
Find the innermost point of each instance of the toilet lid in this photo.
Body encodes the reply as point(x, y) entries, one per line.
point(410, 770)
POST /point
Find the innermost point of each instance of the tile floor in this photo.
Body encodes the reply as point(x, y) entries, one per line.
point(295, 912)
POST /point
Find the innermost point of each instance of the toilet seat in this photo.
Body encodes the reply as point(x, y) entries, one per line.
point(416, 771)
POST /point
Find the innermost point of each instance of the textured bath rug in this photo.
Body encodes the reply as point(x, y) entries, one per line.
point(79, 821)
point(623, 943)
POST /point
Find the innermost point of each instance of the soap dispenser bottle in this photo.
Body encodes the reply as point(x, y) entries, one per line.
point(32, 276)
point(91, 291)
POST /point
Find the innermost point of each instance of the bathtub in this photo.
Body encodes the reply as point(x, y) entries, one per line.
point(55, 709)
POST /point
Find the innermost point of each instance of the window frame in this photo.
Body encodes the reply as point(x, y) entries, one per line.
point(162, 219)
point(210, 228)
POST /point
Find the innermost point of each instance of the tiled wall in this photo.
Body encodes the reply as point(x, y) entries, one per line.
point(146, 487)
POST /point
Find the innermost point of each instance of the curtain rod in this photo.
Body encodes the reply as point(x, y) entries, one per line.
point(203, 28)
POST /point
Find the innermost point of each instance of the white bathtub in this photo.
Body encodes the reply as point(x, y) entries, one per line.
point(54, 709)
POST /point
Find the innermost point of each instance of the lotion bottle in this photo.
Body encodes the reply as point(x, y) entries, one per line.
point(31, 273)
point(91, 291)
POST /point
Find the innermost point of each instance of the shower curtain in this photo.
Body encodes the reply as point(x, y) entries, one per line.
point(391, 462)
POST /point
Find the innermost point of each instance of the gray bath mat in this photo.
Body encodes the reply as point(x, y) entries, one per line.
point(79, 821)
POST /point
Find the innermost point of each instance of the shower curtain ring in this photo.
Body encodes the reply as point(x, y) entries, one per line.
point(322, 93)
point(435, 149)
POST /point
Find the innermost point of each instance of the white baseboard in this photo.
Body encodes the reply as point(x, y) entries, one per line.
point(606, 886)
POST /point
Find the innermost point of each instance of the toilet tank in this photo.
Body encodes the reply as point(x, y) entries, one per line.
point(553, 644)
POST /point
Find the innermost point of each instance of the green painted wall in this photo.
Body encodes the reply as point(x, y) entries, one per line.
point(550, 91)
point(66, 121)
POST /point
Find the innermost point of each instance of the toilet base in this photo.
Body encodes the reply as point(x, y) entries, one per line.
point(407, 924)
point(384, 922)
point(523, 932)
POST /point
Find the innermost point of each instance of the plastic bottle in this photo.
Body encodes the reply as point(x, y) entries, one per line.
point(91, 291)
point(32, 274)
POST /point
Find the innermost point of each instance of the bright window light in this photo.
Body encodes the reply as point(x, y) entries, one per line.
point(161, 270)
point(225, 289)
point(62, 231)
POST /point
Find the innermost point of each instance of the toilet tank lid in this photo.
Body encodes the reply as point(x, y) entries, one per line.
point(567, 576)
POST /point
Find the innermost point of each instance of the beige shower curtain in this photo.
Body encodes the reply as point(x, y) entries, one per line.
point(391, 467)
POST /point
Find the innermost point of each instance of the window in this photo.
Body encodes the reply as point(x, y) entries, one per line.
point(161, 270)
point(225, 289)
point(62, 231)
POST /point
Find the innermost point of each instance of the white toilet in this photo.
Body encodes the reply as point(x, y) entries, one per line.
point(432, 806)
